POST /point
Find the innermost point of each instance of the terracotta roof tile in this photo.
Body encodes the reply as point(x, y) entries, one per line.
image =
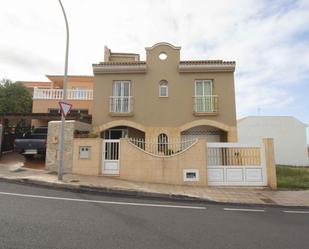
point(189, 62)
point(70, 75)
point(197, 62)
point(120, 63)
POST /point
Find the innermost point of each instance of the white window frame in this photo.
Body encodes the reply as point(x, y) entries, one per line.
point(203, 81)
point(163, 84)
point(203, 101)
point(124, 132)
point(122, 83)
point(122, 101)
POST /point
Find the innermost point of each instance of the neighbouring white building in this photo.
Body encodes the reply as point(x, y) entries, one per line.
point(289, 136)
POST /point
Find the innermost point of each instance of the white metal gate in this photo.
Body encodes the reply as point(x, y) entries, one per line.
point(236, 164)
point(110, 155)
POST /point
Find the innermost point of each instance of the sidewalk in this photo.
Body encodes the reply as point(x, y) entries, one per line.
point(14, 171)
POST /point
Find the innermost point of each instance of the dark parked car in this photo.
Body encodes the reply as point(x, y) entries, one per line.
point(32, 143)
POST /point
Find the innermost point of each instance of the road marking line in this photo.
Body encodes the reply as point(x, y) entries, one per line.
point(296, 212)
point(102, 202)
point(244, 210)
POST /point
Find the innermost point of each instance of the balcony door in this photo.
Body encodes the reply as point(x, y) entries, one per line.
point(203, 96)
point(121, 96)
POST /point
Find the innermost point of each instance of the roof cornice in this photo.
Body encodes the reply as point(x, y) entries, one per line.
point(206, 66)
point(119, 67)
point(163, 44)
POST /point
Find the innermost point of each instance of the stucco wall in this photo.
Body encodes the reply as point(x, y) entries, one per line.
point(42, 105)
point(177, 108)
point(136, 165)
point(73, 81)
point(289, 136)
point(91, 165)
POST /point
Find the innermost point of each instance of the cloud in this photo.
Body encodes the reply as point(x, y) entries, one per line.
point(269, 40)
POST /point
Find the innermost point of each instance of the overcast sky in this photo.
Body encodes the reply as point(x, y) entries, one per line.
point(269, 40)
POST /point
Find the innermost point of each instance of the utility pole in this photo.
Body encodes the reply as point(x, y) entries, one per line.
point(61, 143)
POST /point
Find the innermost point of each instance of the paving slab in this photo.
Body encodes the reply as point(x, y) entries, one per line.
point(237, 195)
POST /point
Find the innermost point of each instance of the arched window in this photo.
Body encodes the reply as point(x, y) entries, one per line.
point(162, 143)
point(163, 88)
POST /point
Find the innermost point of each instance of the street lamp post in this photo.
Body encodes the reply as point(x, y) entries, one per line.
point(61, 143)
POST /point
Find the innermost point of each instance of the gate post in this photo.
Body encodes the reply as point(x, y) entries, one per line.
point(206, 160)
point(270, 162)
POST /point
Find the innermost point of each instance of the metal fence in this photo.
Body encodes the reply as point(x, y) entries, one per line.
point(229, 154)
point(121, 104)
point(205, 104)
point(163, 148)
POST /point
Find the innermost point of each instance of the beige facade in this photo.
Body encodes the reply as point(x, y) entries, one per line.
point(178, 99)
point(136, 164)
point(172, 114)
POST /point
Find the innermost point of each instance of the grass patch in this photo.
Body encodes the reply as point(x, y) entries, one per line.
point(292, 177)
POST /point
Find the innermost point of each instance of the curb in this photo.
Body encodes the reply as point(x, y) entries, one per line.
point(129, 193)
point(102, 190)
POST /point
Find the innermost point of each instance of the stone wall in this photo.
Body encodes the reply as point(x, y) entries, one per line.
point(52, 150)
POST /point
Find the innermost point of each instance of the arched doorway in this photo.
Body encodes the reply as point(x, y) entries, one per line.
point(118, 132)
point(210, 133)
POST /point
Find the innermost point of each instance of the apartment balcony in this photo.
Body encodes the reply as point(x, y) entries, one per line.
point(121, 106)
point(205, 105)
point(57, 94)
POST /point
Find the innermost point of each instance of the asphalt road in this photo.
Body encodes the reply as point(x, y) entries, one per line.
point(34, 217)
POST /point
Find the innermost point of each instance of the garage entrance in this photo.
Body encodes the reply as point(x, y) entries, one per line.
point(234, 164)
point(211, 134)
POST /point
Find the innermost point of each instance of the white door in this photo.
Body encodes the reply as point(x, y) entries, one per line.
point(121, 96)
point(203, 95)
point(234, 164)
point(110, 156)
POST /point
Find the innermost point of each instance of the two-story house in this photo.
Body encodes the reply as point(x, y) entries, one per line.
point(164, 97)
point(46, 96)
point(167, 107)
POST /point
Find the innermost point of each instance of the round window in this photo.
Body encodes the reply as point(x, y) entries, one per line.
point(162, 56)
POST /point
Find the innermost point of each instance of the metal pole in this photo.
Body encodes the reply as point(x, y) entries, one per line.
point(61, 144)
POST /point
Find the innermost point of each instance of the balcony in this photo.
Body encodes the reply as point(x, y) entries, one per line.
point(205, 105)
point(121, 106)
point(57, 94)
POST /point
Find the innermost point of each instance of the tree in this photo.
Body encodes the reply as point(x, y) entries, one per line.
point(14, 97)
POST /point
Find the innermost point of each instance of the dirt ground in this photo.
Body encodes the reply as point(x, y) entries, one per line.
point(37, 162)
point(14, 159)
